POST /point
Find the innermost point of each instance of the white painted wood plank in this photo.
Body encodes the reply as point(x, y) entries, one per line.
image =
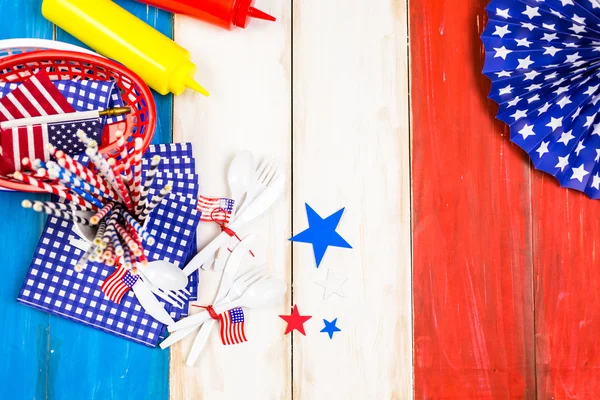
point(351, 149)
point(248, 74)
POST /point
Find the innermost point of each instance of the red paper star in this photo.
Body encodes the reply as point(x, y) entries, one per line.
point(295, 321)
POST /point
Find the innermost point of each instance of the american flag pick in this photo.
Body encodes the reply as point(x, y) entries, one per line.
point(542, 58)
point(232, 326)
point(117, 284)
point(31, 141)
point(215, 209)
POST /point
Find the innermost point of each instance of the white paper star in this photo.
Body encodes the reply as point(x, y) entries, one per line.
point(527, 131)
point(579, 173)
point(566, 137)
point(502, 52)
point(524, 63)
point(332, 285)
point(532, 12)
point(523, 42)
point(550, 27)
point(551, 50)
point(543, 149)
point(577, 28)
point(554, 123)
point(505, 90)
point(531, 75)
point(501, 31)
point(562, 162)
point(528, 25)
point(580, 147)
point(578, 19)
point(544, 108)
point(564, 101)
point(503, 74)
point(573, 57)
point(549, 36)
point(519, 114)
point(567, 2)
point(503, 13)
point(596, 181)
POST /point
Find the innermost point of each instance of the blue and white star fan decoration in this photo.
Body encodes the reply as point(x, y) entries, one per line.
point(543, 57)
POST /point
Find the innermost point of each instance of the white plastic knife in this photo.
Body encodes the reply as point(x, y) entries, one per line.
point(150, 304)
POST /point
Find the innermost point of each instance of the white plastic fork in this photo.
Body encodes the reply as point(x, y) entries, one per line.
point(266, 172)
point(239, 286)
point(236, 291)
point(176, 298)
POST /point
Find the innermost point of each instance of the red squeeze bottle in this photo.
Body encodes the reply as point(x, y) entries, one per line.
point(223, 13)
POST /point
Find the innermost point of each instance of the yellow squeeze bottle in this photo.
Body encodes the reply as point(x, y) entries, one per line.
point(115, 33)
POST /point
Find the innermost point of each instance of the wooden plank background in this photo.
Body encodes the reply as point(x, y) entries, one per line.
point(503, 281)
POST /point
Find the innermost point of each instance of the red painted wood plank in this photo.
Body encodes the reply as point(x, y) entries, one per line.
point(567, 232)
point(472, 272)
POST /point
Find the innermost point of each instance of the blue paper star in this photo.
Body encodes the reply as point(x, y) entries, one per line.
point(330, 328)
point(321, 233)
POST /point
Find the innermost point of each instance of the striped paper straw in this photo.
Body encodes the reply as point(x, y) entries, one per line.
point(61, 206)
point(86, 139)
point(102, 166)
point(85, 174)
point(146, 237)
point(136, 170)
point(109, 252)
point(70, 178)
point(139, 253)
point(126, 258)
point(156, 200)
point(125, 159)
point(29, 180)
point(102, 213)
point(115, 241)
point(110, 224)
point(99, 234)
point(61, 214)
point(124, 193)
point(150, 175)
point(129, 242)
point(82, 263)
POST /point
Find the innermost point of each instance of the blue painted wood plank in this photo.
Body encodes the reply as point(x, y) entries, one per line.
point(88, 364)
point(24, 339)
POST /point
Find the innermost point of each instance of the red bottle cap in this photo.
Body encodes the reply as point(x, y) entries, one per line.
point(245, 11)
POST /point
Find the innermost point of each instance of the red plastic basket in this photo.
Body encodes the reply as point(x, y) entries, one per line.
point(67, 65)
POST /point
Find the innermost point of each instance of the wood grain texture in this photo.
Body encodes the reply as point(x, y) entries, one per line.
point(249, 75)
point(567, 291)
point(85, 353)
point(351, 149)
point(47, 357)
point(25, 337)
point(472, 258)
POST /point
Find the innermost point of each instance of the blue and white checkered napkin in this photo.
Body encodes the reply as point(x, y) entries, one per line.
point(84, 95)
point(52, 285)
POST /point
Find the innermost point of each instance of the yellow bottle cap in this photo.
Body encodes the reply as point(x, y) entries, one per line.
point(192, 84)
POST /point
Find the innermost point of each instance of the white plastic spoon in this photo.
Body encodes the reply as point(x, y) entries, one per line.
point(258, 295)
point(165, 275)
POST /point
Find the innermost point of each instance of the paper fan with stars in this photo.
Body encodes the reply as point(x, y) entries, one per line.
point(543, 57)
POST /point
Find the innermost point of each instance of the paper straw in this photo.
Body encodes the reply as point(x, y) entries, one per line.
point(62, 214)
point(71, 179)
point(125, 159)
point(102, 213)
point(86, 139)
point(129, 242)
point(150, 175)
point(109, 254)
point(61, 206)
point(146, 237)
point(156, 200)
point(115, 241)
point(99, 234)
point(126, 258)
point(123, 192)
point(84, 173)
point(136, 170)
point(82, 263)
point(139, 253)
point(110, 223)
point(29, 180)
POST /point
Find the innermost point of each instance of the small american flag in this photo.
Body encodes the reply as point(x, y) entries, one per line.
point(31, 141)
point(117, 284)
point(232, 326)
point(215, 209)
